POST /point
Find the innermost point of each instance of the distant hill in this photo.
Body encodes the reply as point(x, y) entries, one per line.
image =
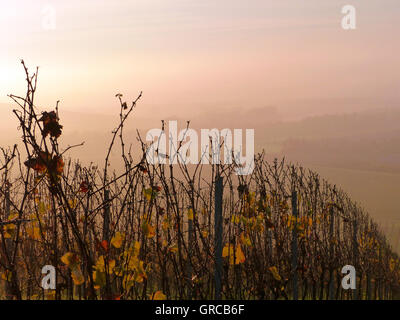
point(367, 141)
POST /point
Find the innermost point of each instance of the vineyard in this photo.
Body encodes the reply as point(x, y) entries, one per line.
point(177, 231)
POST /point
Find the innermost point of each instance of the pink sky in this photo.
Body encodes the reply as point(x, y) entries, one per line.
point(193, 56)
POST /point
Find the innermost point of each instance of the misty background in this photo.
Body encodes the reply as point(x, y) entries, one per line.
point(314, 93)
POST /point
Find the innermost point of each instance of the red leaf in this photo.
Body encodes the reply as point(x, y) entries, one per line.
point(84, 187)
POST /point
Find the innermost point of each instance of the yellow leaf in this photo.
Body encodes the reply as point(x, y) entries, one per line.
point(117, 240)
point(190, 214)
point(245, 239)
point(6, 275)
point(99, 279)
point(9, 230)
point(275, 273)
point(136, 247)
point(33, 232)
point(148, 193)
point(72, 203)
point(392, 264)
point(133, 263)
point(77, 276)
point(240, 258)
point(173, 249)
point(140, 275)
point(128, 282)
point(148, 230)
point(165, 224)
point(42, 208)
point(227, 251)
point(51, 295)
point(111, 266)
point(70, 259)
point(100, 264)
point(13, 216)
point(159, 296)
point(235, 218)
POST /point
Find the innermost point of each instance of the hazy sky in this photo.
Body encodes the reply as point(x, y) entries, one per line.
point(191, 56)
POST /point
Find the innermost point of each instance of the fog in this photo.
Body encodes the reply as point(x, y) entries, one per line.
point(314, 93)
